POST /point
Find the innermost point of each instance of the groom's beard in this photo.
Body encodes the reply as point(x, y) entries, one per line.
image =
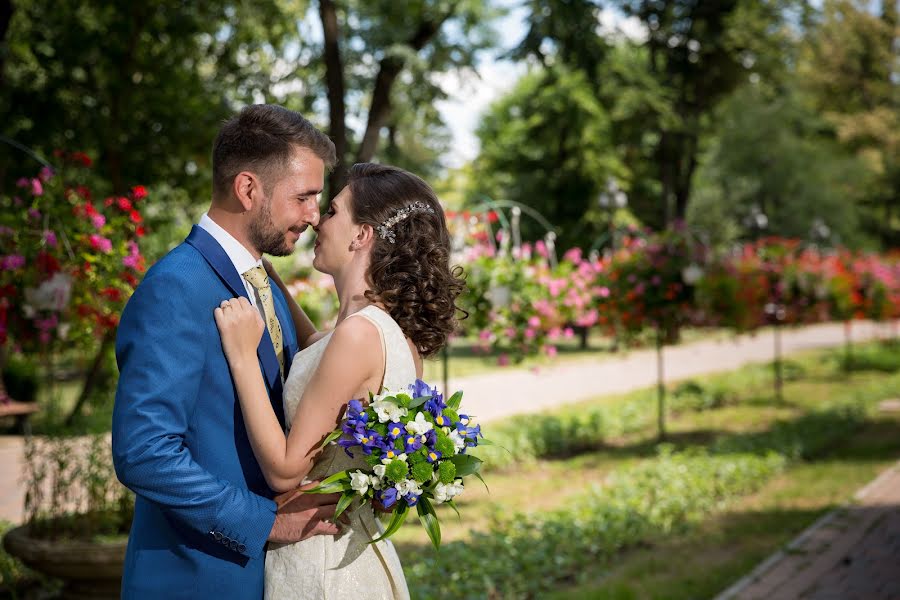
point(265, 237)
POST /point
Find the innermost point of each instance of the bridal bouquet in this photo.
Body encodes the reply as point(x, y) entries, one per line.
point(415, 445)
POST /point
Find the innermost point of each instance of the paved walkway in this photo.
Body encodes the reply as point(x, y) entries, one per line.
point(516, 391)
point(850, 554)
point(500, 394)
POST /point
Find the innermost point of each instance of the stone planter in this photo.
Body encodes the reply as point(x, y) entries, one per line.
point(89, 570)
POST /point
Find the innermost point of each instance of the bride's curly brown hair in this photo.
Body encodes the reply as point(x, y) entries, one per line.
point(411, 277)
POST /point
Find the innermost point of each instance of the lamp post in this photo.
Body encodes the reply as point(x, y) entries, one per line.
point(612, 199)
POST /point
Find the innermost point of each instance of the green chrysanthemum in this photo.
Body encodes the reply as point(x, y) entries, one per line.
point(444, 444)
point(446, 471)
point(422, 471)
point(396, 470)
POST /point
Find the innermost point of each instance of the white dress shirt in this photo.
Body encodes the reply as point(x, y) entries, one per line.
point(240, 257)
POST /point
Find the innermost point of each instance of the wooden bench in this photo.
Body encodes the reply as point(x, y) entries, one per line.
point(21, 411)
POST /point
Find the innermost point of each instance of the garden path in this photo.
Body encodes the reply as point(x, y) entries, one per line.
point(515, 391)
point(849, 554)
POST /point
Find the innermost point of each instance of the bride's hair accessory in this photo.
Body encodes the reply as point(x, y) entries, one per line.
point(385, 230)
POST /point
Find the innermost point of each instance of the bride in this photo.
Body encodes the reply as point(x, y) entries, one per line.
point(384, 240)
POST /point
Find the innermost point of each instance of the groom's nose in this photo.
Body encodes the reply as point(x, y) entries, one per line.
point(310, 214)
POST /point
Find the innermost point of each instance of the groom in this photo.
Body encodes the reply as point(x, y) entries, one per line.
point(203, 512)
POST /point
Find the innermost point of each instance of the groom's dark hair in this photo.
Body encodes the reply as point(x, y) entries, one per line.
point(261, 138)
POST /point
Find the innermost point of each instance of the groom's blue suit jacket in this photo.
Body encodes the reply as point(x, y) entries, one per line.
point(203, 510)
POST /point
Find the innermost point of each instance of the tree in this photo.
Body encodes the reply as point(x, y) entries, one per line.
point(700, 52)
point(849, 67)
point(771, 155)
point(547, 145)
point(142, 87)
point(369, 47)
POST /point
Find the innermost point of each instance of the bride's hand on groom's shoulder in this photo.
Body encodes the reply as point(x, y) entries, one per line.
point(241, 328)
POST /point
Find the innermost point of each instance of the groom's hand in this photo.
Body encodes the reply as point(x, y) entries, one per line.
point(302, 515)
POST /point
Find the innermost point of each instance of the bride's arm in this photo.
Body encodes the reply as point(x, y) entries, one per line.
point(351, 359)
point(306, 331)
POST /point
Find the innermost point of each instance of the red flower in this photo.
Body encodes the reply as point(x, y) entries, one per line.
point(139, 192)
point(492, 216)
point(90, 210)
point(135, 217)
point(124, 203)
point(108, 202)
point(82, 158)
point(140, 231)
point(47, 264)
point(112, 293)
point(129, 278)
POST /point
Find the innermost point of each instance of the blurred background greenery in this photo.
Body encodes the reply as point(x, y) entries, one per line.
point(713, 112)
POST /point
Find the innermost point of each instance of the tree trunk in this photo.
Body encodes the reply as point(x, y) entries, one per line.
point(337, 108)
point(93, 377)
point(4, 396)
point(388, 70)
point(6, 13)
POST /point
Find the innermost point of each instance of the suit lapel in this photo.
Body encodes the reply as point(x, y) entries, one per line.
point(218, 259)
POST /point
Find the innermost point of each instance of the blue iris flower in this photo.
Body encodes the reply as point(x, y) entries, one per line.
point(430, 438)
point(412, 443)
point(435, 404)
point(420, 388)
point(442, 421)
point(433, 456)
point(354, 408)
point(411, 499)
point(387, 496)
point(346, 444)
point(357, 418)
point(395, 430)
point(470, 434)
point(368, 440)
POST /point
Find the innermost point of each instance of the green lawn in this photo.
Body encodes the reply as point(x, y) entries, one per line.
point(699, 561)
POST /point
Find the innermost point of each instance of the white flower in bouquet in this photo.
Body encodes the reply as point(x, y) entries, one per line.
point(459, 442)
point(386, 410)
point(419, 426)
point(447, 491)
point(359, 481)
point(408, 486)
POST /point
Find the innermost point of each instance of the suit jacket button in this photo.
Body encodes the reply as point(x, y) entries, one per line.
point(233, 545)
point(242, 548)
point(217, 535)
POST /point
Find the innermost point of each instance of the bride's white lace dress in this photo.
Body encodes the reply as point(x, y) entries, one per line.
point(346, 565)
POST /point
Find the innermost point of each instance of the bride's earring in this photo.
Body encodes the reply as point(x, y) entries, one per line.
point(354, 245)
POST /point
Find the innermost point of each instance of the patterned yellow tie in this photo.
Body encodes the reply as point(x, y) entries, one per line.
point(260, 281)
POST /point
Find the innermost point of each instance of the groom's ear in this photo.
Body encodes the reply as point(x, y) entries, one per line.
point(247, 188)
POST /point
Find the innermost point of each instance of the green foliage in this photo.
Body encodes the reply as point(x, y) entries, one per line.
point(769, 154)
point(72, 490)
point(547, 144)
point(12, 572)
point(635, 505)
point(141, 87)
point(526, 555)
